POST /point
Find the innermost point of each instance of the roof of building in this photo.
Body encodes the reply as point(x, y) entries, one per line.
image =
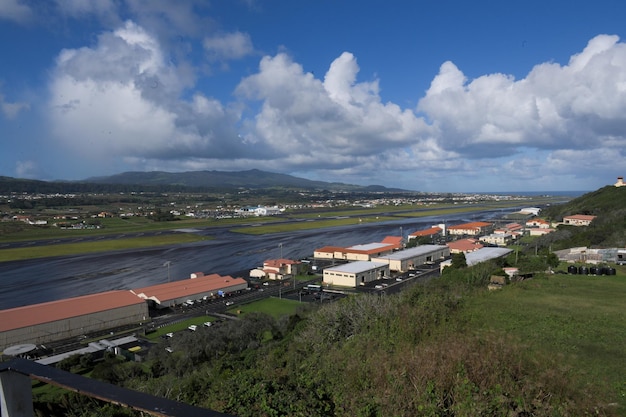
point(389, 243)
point(427, 232)
point(188, 287)
point(51, 311)
point(393, 240)
point(369, 247)
point(485, 254)
point(580, 217)
point(331, 249)
point(471, 225)
point(465, 245)
point(413, 252)
point(356, 267)
point(276, 263)
point(537, 221)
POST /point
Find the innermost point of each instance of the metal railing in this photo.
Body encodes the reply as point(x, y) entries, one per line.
point(16, 392)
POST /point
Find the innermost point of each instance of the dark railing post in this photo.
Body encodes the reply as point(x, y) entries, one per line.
point(16, 396)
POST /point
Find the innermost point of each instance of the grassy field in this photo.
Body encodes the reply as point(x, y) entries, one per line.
point(273, 306)
point(579, 319)
point(14, 254)
point(178, 326)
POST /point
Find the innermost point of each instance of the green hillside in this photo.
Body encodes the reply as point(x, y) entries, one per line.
point(550, 346)
point(608, 204)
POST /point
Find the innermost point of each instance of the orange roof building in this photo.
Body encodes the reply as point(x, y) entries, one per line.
point(578, 220)
point(277, 269)
point(360, 252)
point(472, 229)
point(72, 317)
point(433, 231)
point(464, 245)
point(199, 285)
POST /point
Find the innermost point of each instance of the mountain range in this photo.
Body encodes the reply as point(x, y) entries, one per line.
point(192, 180)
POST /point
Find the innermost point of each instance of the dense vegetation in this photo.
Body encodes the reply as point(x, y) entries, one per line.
point(429, 351)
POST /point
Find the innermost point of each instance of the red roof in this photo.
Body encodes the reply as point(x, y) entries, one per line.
point(393, 240)
point(472, 225)
point(465, 245)
point(331, 249)
point(31, 315)
point(427, 232)
point(583, 217)
point(277, 263)
point(188, 287)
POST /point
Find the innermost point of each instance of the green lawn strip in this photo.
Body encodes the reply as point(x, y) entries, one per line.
point(440, 212)
point(111, 226)
point(275, 307)
point(307, 225)
point(579, 319)
point(14, 254)
point(179, 326)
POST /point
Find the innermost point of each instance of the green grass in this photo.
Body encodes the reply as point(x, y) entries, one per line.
point(580, 319)
point(275, 307)
point(307, 225)
point(14, 254)
point(178, 326)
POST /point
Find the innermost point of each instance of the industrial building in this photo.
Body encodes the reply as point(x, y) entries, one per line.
point(356, 273)
point(277, 269)
point(198, 286)
point(481, 255)
point(72, 317)
point(363, 252)
point(407, 259)
point(471, 229)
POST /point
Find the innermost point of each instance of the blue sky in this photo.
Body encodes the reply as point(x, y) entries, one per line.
point(448, 96)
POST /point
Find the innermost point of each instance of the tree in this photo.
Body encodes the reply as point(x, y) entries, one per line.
point(458, 261)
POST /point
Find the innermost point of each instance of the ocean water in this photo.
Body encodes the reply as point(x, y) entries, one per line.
point(540, 193)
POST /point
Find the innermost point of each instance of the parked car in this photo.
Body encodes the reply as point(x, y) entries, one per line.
point(193, 327)
point(207, 324)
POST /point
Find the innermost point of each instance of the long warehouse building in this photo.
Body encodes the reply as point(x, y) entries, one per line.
point(71, 317)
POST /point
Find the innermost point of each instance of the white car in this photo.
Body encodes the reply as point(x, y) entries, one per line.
point(229, 303)
point(193, 327)
point(208, 324)
point(169, 334)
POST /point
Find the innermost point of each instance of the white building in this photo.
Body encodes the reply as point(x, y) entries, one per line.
point(356, 273)
point(407, 259)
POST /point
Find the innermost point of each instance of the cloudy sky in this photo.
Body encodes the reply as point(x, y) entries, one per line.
point(431, 96)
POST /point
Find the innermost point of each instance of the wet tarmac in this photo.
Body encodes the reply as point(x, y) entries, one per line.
point(228, 253)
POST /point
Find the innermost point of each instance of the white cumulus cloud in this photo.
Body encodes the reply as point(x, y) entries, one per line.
point(228, 46)
point(15, 10)
point(121, 98)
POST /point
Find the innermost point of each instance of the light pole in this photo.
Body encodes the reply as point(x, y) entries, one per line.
point(167, 264)
point(280, 245)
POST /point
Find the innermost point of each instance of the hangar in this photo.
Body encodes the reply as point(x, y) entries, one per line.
point(364, 252)
point(71, 317)
point(198, 286)
point(407, 259)
point(356, 273)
